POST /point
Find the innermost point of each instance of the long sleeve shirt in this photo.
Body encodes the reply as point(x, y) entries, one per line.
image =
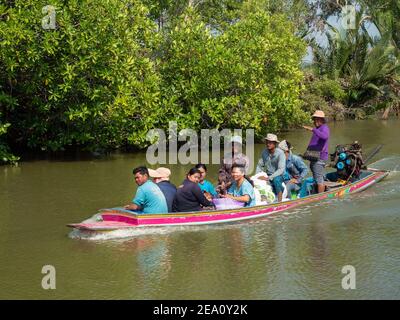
point(320, 141)
point(273, 164)
point(296, 167)
point(189, 197)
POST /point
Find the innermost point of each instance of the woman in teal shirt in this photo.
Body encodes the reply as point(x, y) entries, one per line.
point(205, 185)
point(241, 189)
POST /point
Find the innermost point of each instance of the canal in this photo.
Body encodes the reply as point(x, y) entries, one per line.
point(295, 255)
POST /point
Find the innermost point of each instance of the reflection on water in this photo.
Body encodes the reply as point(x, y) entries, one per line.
point(298, 254)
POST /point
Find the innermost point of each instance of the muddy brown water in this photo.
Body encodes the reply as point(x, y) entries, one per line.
point(296, 255)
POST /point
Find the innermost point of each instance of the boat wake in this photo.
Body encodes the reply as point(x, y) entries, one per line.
point(129, 233)
point(117, 234)
point(391, 163)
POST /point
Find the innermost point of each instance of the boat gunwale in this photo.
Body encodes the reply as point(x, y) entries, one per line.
point(373, 173)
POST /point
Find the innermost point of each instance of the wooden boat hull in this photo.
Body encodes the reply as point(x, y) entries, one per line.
point(113, 219)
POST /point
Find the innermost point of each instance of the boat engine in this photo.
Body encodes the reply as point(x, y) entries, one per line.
point(348, 161)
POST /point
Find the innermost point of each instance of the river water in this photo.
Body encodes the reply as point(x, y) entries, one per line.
point(296, 255)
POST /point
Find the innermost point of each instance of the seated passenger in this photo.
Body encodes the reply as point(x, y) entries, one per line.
point(273, 162)
point(241, 189)
point(189, 196)
point(296, 169)
point(161, 178)
point(205, 185)
point(307, 187)
point(148, 198)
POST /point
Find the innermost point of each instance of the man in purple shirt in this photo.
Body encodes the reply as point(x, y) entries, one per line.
point(319, 142)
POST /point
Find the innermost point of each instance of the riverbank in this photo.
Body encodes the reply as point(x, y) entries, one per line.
point(77, 154)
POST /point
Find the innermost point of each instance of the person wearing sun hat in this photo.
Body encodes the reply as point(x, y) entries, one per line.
point(273, 162)
point(296, 169)
point(319, 142)
point(161, 178)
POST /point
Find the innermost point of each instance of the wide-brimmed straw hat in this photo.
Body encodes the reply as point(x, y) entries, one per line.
point(160, 173)
point(271, 137)
point(318, 114)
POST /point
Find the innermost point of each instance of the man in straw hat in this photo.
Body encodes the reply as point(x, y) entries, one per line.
point(319, 142)
point(273, 162)
point(161, 178)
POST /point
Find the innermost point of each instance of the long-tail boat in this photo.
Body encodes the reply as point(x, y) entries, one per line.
point(119, 218)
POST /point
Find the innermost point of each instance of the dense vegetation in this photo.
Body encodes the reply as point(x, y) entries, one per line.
point(363, 63)
point(111, 70)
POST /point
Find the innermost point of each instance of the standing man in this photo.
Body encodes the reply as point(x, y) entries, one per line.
point(319, 144)
point(161, 178)
point(273, 162)
point(148, 198)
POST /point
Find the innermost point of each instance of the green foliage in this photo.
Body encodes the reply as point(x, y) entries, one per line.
point(248, 75)
point(112, 70)
point(5, 155)
point(302, 13)
point(330, 89)
point(214, 13)
point(383, 14)
point(323, 94)
point(365, 67)
point(386, 17)
point(90, 82)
